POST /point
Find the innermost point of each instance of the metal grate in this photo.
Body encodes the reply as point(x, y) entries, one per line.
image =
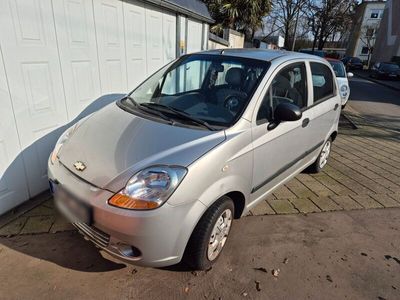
point(95, 235)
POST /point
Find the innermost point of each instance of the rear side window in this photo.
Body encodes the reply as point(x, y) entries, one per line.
point(322, 79)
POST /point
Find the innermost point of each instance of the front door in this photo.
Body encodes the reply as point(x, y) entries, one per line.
point(280, 151)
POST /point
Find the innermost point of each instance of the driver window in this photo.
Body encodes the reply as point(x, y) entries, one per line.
point(288, 86)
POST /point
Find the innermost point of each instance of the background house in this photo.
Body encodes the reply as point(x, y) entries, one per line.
point(387, 46)
point(367, 19)
point(57, 57)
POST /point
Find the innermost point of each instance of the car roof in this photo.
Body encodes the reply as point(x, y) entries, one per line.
point(260, 54)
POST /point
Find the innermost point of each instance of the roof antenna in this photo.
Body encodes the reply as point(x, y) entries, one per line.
point(222, 51)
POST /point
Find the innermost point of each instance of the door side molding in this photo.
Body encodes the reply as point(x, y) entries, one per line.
point(286, 167)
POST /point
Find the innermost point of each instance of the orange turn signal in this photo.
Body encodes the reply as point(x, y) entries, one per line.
point(124, 201)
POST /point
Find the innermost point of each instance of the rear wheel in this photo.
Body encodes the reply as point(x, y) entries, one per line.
point(322, 159)
point(210, 235)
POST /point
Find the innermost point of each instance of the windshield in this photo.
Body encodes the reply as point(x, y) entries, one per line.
point(200, 88)
point(338, 67)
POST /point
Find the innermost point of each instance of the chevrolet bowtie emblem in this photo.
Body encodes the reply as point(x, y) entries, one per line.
point(80, 166)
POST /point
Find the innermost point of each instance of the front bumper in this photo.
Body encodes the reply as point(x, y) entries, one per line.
point(158, 236)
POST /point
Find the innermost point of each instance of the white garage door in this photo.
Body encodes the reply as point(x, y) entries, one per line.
point(59, 56)
point(29, 47)
point(150, 39)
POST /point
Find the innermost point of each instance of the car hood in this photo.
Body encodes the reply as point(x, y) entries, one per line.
point(114, 144)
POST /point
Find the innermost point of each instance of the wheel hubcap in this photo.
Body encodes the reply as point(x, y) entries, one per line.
point(325, 154)
point(219, 234)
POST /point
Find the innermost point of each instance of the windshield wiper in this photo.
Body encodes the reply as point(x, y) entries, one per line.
point(179, 113)
point(147, 110)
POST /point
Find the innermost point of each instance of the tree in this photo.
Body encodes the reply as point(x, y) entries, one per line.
point(327, 18)
point(284, 19)
point(367, 37)
point(241, 15)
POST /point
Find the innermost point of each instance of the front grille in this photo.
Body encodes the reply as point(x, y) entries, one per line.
point(95, 235)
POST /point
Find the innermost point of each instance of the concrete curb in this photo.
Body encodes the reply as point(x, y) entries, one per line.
point(378, 82)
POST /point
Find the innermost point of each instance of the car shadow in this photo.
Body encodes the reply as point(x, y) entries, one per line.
point(66, 249)
point(23, 161)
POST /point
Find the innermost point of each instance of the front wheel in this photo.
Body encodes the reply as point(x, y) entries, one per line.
point(322, 159)
point(210, 235)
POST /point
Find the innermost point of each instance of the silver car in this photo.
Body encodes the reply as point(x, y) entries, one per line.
point(158, 176)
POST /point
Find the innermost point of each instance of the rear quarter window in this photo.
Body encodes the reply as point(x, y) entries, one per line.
point(322, 79)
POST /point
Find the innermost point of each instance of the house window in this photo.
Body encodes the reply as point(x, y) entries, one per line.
point(364, 50)
point(376, 14)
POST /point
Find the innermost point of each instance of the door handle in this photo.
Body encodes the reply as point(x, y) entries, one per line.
point(336, 106)
point(305, 122)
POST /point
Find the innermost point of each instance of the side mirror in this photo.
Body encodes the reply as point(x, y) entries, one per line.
point(350, 75)
point(285, 112)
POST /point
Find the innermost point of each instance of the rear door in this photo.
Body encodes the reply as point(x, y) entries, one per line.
point(279, 152)
point(324, 110)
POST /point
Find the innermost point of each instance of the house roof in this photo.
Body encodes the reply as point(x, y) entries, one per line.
point(193, 8)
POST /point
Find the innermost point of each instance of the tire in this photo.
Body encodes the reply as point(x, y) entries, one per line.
point(197, 253)
point(322, 158)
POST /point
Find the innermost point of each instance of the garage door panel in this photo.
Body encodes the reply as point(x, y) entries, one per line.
point(154, 40)
point(13, 186)
point(108, 15)
point(194, 33)
point(78, 53)
point(135, 41)
point(114, 75)
point(169, 37)
point(29, 27)
point(77, 15)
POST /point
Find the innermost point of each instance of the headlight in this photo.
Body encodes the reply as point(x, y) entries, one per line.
point(149, 188)
point(61, 141)
point(344, 90)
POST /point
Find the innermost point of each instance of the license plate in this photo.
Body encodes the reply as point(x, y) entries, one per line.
point(74, 209)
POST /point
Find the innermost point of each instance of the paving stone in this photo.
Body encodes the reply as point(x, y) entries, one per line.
point(346, 202)
point(61, 224)
point(366, 201)
point(318, 188)
point(282, 207)
point(395, 196)
point(325, 203)
point(14, 227)
point(386, 200)
point(262, 208)
point(38, 224)
point(283, 193)
point(41, 210)
point(299, 189)
point(305, 205)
